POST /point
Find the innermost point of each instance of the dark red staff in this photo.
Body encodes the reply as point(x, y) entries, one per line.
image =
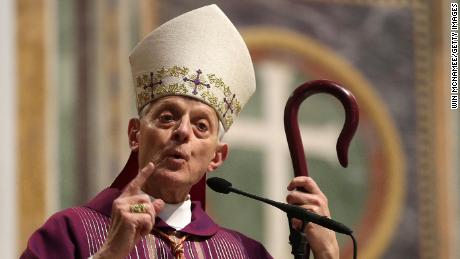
point(300, 248)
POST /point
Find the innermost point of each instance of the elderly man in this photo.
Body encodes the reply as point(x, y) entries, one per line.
point(192, 76)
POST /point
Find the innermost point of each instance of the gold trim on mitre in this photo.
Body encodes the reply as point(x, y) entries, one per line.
point(199, 54)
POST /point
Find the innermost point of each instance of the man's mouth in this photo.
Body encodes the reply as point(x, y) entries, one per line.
point(177, 155)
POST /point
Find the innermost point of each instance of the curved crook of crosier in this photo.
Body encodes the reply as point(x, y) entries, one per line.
point(291, 124)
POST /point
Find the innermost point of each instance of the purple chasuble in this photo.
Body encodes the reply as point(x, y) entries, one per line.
point(79, 232)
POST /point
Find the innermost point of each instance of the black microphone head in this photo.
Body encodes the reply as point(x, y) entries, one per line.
point(219, 185)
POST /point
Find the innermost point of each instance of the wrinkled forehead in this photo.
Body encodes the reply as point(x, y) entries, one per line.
point(181, 102)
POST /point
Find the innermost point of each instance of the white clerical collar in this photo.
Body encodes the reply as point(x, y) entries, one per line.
point(177, 215)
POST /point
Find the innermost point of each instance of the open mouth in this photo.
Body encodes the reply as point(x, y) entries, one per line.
point(177, 155)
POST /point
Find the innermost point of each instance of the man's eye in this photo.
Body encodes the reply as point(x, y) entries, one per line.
point(202, 126)
point(166, 118)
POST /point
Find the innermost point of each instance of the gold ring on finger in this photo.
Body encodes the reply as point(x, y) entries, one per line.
point(137, 208)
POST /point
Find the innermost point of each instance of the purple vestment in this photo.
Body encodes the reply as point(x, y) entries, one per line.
point(79, 233)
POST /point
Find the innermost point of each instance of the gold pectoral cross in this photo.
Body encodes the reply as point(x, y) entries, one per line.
point(176, 242)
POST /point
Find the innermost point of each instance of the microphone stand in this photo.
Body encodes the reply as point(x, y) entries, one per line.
point(298, 240)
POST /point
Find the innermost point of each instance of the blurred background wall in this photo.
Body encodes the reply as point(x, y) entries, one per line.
point(66, 97)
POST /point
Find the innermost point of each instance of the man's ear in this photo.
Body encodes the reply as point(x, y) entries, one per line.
point(219, 157)
point(133, 134)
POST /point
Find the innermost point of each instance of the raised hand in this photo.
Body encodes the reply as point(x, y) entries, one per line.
point(133, 216)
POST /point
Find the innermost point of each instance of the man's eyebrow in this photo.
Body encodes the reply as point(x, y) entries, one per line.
point(167, 104)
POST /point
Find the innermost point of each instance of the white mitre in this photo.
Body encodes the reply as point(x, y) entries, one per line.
point(199, 54)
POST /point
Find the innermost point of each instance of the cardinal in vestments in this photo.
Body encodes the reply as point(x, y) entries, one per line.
point(192, 77)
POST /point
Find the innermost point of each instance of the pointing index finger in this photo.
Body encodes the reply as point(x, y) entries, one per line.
point(134, 187)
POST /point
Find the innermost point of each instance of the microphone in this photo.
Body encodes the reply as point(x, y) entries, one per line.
point(223, 186)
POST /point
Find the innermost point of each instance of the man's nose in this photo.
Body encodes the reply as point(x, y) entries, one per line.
point(183, 130)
